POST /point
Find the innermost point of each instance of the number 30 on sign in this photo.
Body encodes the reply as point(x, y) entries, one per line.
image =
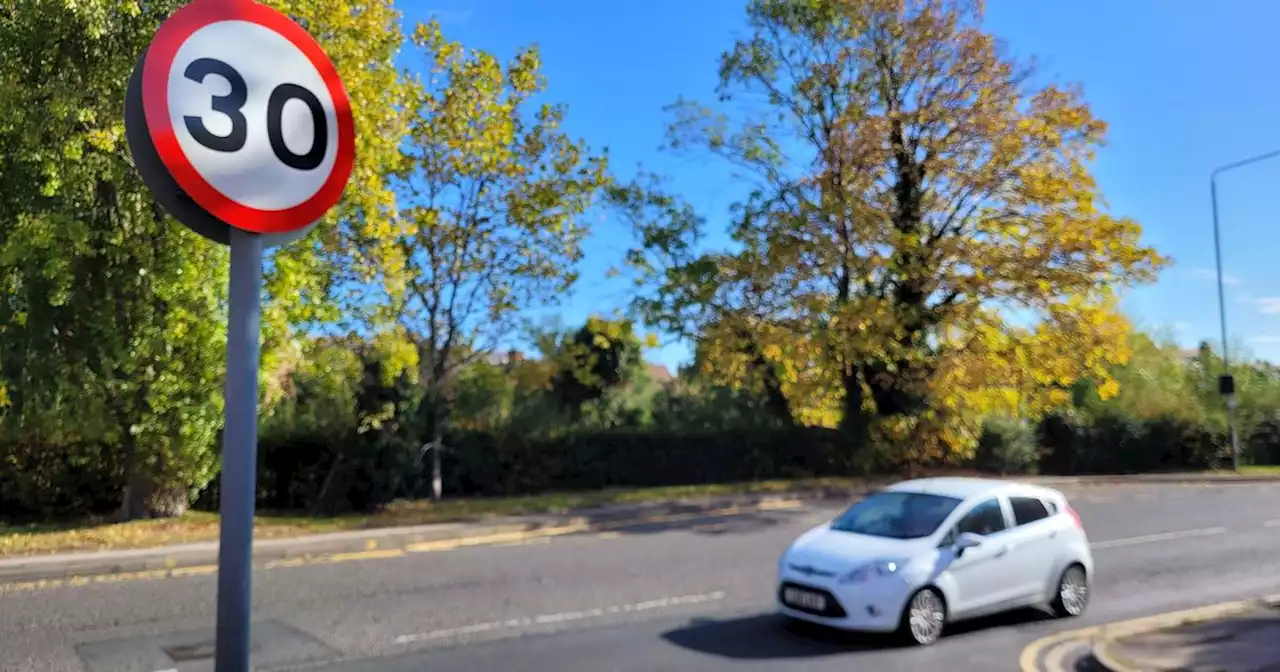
point(236, 117)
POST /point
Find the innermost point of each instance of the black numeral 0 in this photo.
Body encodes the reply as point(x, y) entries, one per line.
point(232, 103)
point(275, 116)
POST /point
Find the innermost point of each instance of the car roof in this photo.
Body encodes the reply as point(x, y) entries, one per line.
point(959, 487)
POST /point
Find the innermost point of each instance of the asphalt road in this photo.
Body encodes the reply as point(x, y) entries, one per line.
point(691, 596)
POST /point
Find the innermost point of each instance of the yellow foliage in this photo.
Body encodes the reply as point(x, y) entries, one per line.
point(940, 248)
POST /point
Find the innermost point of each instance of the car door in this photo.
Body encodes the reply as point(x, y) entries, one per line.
point(977, 574)
point(1030, 544)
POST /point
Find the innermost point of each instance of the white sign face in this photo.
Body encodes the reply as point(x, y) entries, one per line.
point(252, 115)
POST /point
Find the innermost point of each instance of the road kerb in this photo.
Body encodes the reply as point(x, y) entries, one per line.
point(1029, 659)
point(1102, 652)
point(1105, 653)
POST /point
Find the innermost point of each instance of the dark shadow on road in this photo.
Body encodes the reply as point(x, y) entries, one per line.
point(1089, 664)
point(774, 637)
point(1011, 619)
point(768, 637)
point(712, 523)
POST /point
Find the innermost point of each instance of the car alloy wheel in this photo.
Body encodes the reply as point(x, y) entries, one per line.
point(1073, 592)
point(926, 616)
point(1072, 595)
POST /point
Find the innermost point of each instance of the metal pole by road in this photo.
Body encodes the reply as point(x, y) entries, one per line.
point(239, 454)
point(1222, 304)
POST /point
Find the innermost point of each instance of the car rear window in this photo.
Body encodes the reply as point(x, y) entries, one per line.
point(1027, 510)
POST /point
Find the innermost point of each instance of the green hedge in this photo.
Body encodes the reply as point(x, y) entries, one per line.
point(487, 465)
point(43, 481)
point(1113, 444)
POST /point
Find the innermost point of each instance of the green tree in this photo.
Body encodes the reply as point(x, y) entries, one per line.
point(491, 225)
point(102, 292)
point(103, 298)
point(600, 356)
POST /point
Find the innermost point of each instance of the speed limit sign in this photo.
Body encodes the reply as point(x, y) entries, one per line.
point(240, 126)
point(237, 118)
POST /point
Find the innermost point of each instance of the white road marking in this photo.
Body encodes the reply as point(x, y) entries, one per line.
point(537, 541)
point(1152, 538)
point(561, 617)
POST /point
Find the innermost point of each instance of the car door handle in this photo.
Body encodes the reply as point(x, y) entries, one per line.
point(1001, 551)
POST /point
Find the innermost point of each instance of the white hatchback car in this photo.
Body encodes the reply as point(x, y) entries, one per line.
point(912, 557)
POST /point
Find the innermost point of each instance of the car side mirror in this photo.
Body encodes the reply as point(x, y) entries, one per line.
point(967, 540)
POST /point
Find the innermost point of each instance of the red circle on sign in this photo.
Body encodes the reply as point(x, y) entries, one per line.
point(155, 99)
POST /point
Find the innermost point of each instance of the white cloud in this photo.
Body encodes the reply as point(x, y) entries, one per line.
point(1268, 305)
point(1264, 340)
point(1212, 275)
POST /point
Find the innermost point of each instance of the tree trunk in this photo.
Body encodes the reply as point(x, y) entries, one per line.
point(775, 398)
point(438, 400)
point(143, 496)
point(854, 420)
point(134, 497)
point(322, 503)
point(435, 428)
point(437, 482)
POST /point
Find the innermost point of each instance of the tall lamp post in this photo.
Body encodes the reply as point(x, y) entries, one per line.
point(1226, 383)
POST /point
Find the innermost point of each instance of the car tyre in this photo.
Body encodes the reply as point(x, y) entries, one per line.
point(923, 618)
point(1072, 594)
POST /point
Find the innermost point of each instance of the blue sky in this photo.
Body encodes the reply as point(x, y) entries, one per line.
point(1185, 85)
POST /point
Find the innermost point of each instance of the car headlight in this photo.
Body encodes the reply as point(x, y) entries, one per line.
point(874, 569)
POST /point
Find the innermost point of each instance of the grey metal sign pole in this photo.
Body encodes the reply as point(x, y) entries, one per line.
point(239, 454)
point(213, 183)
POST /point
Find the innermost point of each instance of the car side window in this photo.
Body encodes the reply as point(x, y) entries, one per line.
point(983, 519)
point(1027, 510)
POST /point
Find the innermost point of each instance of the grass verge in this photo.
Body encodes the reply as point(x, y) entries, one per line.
point(101, 534)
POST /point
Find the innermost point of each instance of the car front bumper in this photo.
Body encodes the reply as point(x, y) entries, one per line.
point(872, 606)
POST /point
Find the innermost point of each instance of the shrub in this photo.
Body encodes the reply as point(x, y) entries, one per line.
point(513, 464)
point(1007, 446)
point(1263, 445)
point(1062, 437)
point(45, 479)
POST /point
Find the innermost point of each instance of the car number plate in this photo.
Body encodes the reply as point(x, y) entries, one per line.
point(805, 599)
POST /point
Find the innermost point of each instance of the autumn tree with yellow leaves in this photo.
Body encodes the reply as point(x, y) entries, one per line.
point(488, 224)
point(923, 234)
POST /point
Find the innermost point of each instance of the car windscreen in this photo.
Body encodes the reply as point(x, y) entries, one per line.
point(898, 515)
